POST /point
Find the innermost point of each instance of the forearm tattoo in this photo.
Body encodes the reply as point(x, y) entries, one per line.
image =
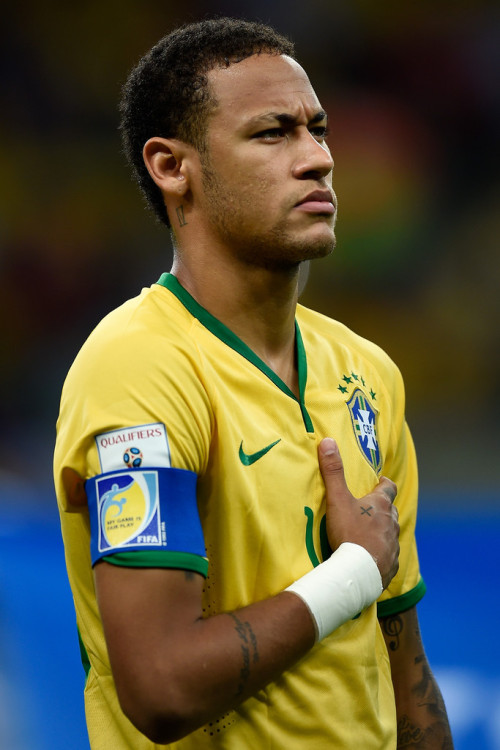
point(427, 695)
point(408, 734)
point(434, 737)
point(393, 627)
point(427, 728)
point(249, 651)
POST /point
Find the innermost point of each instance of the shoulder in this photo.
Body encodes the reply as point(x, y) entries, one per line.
point(144, 335)
point(139, 363)
point(153, 315)
point(140, 366)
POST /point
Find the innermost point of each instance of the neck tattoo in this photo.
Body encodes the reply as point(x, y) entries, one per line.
point(180, 215)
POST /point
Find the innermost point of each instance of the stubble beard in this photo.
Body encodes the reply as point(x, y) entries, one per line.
point(275, 249)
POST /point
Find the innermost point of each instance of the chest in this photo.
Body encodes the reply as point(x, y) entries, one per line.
point(263, 481)
point(265, 440)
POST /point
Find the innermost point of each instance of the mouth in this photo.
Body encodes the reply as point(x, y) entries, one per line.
point(317, 202)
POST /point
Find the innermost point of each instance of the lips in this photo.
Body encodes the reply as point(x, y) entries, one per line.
point(319, 201)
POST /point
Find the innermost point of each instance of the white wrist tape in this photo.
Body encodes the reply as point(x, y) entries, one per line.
point(339, 588)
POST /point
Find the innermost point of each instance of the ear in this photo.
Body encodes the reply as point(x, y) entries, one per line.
point(166, 161)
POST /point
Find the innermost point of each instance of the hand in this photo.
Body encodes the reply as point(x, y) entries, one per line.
point(371, 521)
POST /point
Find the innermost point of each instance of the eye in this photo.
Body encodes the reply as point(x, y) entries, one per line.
point(320, 132)
point(271, 134)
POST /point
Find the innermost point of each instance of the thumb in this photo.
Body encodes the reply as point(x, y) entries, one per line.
point(388, 487)
point(330, 462)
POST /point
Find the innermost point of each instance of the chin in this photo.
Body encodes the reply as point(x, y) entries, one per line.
point(291, 258)
point(280, 250)
point(319, 247)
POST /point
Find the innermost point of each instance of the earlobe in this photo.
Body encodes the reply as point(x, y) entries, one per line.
point(164, 159)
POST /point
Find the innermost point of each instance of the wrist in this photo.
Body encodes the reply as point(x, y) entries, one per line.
point(339, 588)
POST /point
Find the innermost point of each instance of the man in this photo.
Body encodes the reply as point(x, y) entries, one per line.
point(201, 492)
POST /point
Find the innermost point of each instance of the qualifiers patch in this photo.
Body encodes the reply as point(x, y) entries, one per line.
point(133, 447)
point(150, 509)
point(364, 422)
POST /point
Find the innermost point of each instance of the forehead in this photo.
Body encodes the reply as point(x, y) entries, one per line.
point(262, 83)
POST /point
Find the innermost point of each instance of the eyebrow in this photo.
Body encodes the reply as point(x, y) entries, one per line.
point(284, 118)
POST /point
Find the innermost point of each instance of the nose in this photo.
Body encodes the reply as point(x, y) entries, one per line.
point(314, 159)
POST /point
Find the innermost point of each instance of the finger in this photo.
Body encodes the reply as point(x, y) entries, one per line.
point(388, 488)
point(330, 462)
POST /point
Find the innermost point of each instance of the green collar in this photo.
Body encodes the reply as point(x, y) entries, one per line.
point(223, 333)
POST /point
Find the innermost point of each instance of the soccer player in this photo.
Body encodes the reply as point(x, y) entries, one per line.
point(236, 481)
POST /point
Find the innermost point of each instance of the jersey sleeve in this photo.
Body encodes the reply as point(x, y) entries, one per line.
point(407, 587)
point(135, 426)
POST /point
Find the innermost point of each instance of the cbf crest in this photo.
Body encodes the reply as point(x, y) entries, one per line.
point(364, 422)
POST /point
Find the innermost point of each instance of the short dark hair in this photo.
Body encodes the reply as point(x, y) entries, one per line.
point(167, 95)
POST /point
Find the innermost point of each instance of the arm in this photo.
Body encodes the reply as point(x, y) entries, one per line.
point(174, 670)
point(421, 714)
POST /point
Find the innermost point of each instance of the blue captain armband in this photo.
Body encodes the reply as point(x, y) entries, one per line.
point(146, 518)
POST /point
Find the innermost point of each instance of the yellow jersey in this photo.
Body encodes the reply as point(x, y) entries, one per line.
point(174, 423)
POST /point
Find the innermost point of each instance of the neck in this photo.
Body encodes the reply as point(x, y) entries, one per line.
point(257, 304)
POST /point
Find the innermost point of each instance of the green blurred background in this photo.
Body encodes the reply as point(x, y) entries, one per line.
point(414, 100)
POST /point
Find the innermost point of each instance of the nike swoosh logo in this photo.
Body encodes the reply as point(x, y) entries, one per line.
point(247, 459)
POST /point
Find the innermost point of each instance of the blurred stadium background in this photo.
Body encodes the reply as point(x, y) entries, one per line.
point(412, 91)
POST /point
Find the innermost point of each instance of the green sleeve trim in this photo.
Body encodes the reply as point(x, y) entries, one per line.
point(402, 603)
point(160, 559)
point(84, 655)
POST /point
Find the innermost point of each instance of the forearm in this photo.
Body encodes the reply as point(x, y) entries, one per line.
point(422, 721)
point(176, 671)
point(231, 657)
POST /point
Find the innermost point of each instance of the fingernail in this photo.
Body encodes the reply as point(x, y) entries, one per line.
point(329, 447)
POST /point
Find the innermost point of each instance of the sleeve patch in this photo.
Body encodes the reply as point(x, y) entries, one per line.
point(133, 447)
point(140, 510)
